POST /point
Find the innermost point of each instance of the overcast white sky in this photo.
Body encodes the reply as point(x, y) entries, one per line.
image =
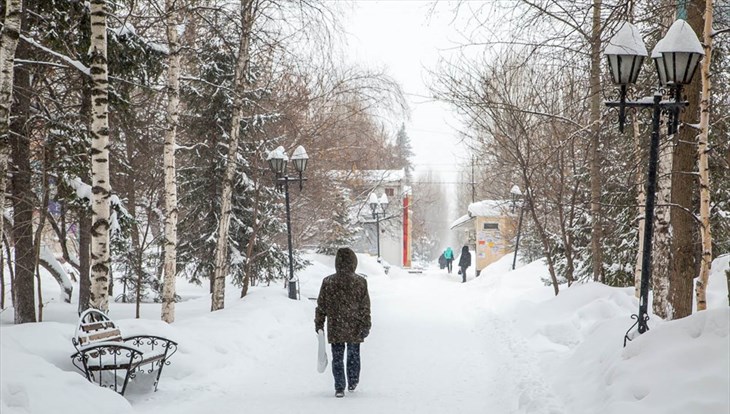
point(402, 37)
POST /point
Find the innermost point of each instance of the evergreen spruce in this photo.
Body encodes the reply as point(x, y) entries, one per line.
point(339, 229)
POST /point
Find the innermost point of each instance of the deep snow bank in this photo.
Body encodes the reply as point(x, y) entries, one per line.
point(680, 366)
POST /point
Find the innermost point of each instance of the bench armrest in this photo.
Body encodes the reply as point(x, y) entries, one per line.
point(153, 343)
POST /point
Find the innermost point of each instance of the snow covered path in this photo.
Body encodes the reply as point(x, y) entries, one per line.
point(499, 344)
point(434, 348)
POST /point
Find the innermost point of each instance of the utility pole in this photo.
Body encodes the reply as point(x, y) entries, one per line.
point(473, 184)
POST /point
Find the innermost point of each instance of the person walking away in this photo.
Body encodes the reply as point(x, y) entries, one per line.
point(442, 262)
point(449, 255)
point(464, 262)
point(344, 302)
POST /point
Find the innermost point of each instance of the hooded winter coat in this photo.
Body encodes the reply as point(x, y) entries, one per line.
point(465, 259)
point(344, 302)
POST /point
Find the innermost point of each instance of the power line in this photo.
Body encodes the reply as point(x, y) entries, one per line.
point(443, 182)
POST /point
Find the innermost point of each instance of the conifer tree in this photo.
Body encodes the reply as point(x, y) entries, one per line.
point(339, 229)
point(404, 152)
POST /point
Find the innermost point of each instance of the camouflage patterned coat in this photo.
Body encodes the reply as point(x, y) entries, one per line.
point(344, 302)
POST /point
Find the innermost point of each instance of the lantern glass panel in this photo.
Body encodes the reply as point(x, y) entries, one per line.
point(384, 202)
point(300, 164)
point(277, 165)
point(624, 68)
point(661, 70)
point(692, 64)
point(613, 68)
point(373, 202)
point(680, 66)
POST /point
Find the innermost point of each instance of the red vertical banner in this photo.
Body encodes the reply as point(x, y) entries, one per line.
point(406, 230)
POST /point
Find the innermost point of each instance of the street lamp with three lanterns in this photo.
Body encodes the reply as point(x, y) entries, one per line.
point(676, 58)
point(278, 161)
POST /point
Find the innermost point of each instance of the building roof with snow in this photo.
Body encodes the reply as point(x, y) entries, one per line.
point(489, 208)
point(484, 208)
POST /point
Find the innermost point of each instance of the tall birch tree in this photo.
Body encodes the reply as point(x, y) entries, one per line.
point(240, 84)
point(171, 211)
point(10, 36)
point(661, 248)
point(101, 189)
point(703, 162)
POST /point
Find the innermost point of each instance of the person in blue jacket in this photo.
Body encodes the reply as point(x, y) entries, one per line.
point(449, 256)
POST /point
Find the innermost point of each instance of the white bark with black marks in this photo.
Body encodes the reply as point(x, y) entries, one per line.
point(173, 105)
point(641, 204)
point(703, 164)
point(101, 189)
point(240, 85)
point(10, 36)
point(662, 252)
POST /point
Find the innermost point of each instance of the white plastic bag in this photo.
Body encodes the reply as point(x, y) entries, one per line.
point(322, 353)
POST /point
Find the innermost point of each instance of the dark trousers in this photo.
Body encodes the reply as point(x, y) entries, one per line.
point(338, 364)
point(463, 274)
point(448, 264)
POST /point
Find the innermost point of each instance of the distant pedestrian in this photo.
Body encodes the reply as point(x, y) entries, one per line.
point(449, 256)
point(442, 262)
point(345, 303)
point(464, 262)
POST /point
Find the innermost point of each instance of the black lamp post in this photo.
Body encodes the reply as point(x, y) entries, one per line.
point(278, 161)
point(676, 58)
point(378, 215)
point(516, 194)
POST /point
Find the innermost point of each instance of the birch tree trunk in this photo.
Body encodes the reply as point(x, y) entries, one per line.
point(662, 253)
point(595, 114)
point(240, 83)
point(84, 213)
point(703, 163)
point(100, 254)
point(9, 42)
point(173, 104)
point(663, 232)
point(640, 202)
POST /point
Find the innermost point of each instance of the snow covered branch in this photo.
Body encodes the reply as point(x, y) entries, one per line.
point(75, 63)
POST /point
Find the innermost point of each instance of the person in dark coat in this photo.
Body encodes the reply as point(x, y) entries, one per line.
point(449, 256)
point(442, 261)
point(464, 262)
point(344, 302)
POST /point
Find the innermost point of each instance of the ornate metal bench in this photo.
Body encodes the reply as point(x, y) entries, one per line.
point(110, 360)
